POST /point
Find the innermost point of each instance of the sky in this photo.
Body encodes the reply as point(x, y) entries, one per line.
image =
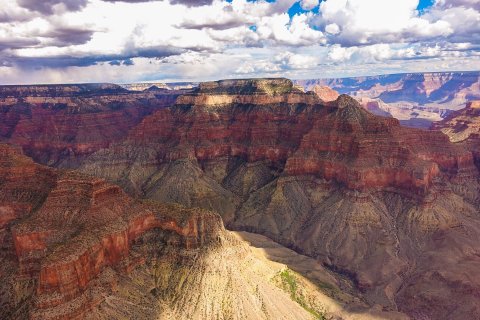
point(121, 41)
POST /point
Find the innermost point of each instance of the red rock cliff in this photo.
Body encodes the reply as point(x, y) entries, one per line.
point(73, 227)
point(294, 131)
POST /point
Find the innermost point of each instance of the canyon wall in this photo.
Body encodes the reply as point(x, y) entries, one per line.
point(365, 196)
point(66, 229)
point(393, 209)
point(60, 124)
point(417, 99)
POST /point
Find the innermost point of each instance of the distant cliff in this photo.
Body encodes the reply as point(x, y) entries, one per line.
point(417, 99)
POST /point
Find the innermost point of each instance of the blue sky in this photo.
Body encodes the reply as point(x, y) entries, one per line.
point(425, 4)
point(185, 40)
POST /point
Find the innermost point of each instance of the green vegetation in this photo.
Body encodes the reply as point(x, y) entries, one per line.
point(290, 283)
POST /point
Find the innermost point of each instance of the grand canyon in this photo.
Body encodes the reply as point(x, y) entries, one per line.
point(240, 160)
point(118, 203)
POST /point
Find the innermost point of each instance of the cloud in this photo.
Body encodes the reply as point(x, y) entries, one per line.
point(47, 6)
point(465, 22)
point(289, 60)
point(63, 61)
point(127, 62)
point(188, 3)
point(67, 36)
point(17, 43)
point(363, 22)
point(209, 39)
point(192, 3)
point(332, 28)
point(280, 29)
point(309, 4)
point(11, 12)
point(472, 4)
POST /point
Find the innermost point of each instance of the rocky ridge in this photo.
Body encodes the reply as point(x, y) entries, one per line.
point(463, 127)
point(57, 122)
point(66, 229)
point(417, 99)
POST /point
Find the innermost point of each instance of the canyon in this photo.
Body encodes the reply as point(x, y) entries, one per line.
point(393, 211)
point(463, 128)
point(77, 247)
point(62, 230)
point(416, 99)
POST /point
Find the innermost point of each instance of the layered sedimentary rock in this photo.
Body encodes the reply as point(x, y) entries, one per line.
point(325, 93)
point(463, 127)
point(66, 229)
point(463, 124)
point(81, 249)
point(450, 89)
point(371, 200)
point(59, 124)
point(417, 99)
point(364, 195)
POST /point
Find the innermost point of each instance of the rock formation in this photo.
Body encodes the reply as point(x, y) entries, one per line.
point(325, 93)
point(76, 247)
point(418, 99)
point(463, 127)
point(60, 124)
point(66, 229)
point(362, 194)
point(393, 209)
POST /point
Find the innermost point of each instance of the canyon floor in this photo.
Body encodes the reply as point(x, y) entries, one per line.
point(248, 276)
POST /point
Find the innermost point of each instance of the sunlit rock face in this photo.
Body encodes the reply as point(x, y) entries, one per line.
point(394, 209)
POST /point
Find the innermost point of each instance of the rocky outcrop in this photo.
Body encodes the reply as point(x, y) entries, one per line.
point(70, 229)
point(359, 192)
point(292, 131)
point(463, 124)
point(60, 124)
point(463, 127)
point(325, 93)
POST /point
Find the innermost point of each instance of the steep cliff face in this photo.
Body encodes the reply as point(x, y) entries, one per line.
point(60, 124)
point(288, 131)
point(463, 127)
point(66, 229)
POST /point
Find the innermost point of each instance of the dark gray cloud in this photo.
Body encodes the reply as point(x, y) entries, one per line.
point(68, 36)
point(473, 4)
point(192, 3)
point(228, 24)
point(189, 3)
point(6, 17)
point(63, 61)
point(46, 6)
point(127, 62)
point(6, 44)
